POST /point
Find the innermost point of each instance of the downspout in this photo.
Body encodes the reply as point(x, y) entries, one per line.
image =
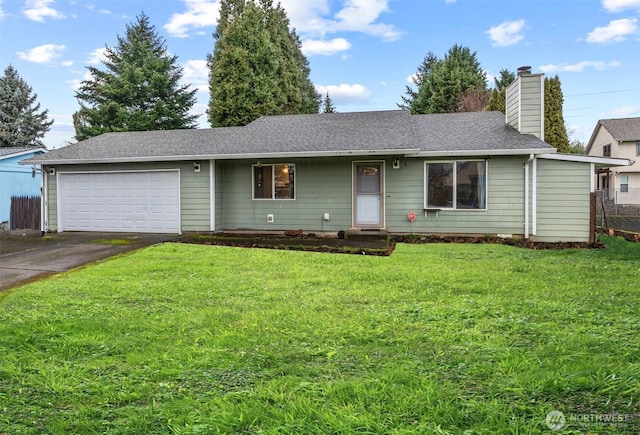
point(526, 197)
point(534, 195)
point(44, 201)
point(212, 195)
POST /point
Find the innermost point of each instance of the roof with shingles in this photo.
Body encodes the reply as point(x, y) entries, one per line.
point(356, 133)
point(6, 152)
point(622, 129)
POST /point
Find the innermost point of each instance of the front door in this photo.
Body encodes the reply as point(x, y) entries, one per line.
point(368, 201)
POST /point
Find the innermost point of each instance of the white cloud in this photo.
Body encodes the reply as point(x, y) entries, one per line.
point(311, 17)
point(200, 13)
point(196, 74)
point(325, 48)
point(2, 14)
point(616, 31)
point(97, 56)
point(345, 94)
point(506, 33)
point(93, 8)
point(626, 112)
point(67, 63)
point(75, 83)
point(579, 67)
point(38, 10)
point(620, 5)
point(42, 54)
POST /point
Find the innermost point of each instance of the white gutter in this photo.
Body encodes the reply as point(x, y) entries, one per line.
point(603, 161)
point(493, 152)
point(178, 158)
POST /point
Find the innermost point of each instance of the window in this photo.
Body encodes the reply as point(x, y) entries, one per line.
point(606, 151)
point(273, 181)
point(459, 185)
point(638, 148)
point(624, 183)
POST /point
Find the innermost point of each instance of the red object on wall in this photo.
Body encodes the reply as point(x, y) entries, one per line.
point(411, 216)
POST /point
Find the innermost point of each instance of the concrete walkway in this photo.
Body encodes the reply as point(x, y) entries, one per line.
point(26, 255)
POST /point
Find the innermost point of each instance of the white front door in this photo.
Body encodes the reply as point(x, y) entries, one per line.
point(368, 202)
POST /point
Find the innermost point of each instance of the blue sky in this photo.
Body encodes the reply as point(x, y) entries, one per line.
point(363, 52)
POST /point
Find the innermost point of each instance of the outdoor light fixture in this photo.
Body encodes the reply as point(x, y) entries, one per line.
point(396, 163)
point(196, 167)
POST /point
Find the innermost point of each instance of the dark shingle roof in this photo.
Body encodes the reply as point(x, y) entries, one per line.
point(8, 151)
point(471, 131)
point(357, 133)
point(622, 129)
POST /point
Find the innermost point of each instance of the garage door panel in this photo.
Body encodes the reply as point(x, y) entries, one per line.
point(120, 201)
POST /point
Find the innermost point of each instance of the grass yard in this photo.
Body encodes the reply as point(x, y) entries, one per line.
point(435, 339)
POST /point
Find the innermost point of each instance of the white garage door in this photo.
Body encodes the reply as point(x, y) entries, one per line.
point(145, 201)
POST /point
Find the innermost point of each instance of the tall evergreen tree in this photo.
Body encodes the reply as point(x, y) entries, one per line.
point(21, 122)
point(498, 98)
point(257, 66)
point(138, 90)
point(327, 105)
point(555, 132)
point(410, 100)
point(443, 82)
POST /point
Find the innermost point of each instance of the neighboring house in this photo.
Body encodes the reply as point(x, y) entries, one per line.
point(17, 180)
point(618, 138)
point(460, 173)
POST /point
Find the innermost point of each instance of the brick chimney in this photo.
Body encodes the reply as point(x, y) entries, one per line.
point(525, 103)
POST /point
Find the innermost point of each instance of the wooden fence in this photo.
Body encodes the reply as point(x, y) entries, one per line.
point(25, 213)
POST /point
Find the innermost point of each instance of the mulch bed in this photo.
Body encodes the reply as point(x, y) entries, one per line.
point(360, 246)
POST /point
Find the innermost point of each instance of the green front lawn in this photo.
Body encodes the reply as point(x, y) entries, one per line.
point(435, 339)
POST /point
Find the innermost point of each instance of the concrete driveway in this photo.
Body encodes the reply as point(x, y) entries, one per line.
point(26, 256)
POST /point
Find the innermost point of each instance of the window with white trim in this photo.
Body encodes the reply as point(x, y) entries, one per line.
point(606, 151)
point(624, 183)
point(274, 181)
point(457, 185)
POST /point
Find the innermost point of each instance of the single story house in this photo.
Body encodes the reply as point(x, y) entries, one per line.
point(618, 138)
point(17, 180)
point(459, 173)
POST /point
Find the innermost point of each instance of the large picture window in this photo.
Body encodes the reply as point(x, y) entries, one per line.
point(274, 181)
point(458, 185)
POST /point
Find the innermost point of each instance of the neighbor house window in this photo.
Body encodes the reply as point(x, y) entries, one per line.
point(606, 151)
point(638, 148)
point(624, 183)
point(459, 185)
point(274, 181)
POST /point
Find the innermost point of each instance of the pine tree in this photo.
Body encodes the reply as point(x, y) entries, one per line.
point(21, 122)
point(555, 132)
point(327, 105)
point(442, 83)
point(498, 98)
point(410, 100)
point(257, 66)
point(138, 90)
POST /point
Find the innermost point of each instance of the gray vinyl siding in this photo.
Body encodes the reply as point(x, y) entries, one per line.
point(219, 194)
point(505, 202)
point(513, 104)
point(525, 104)
point(563, 201)
point(325, 186)
point(52, 204)
point(322, 185)
point(194, 190)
